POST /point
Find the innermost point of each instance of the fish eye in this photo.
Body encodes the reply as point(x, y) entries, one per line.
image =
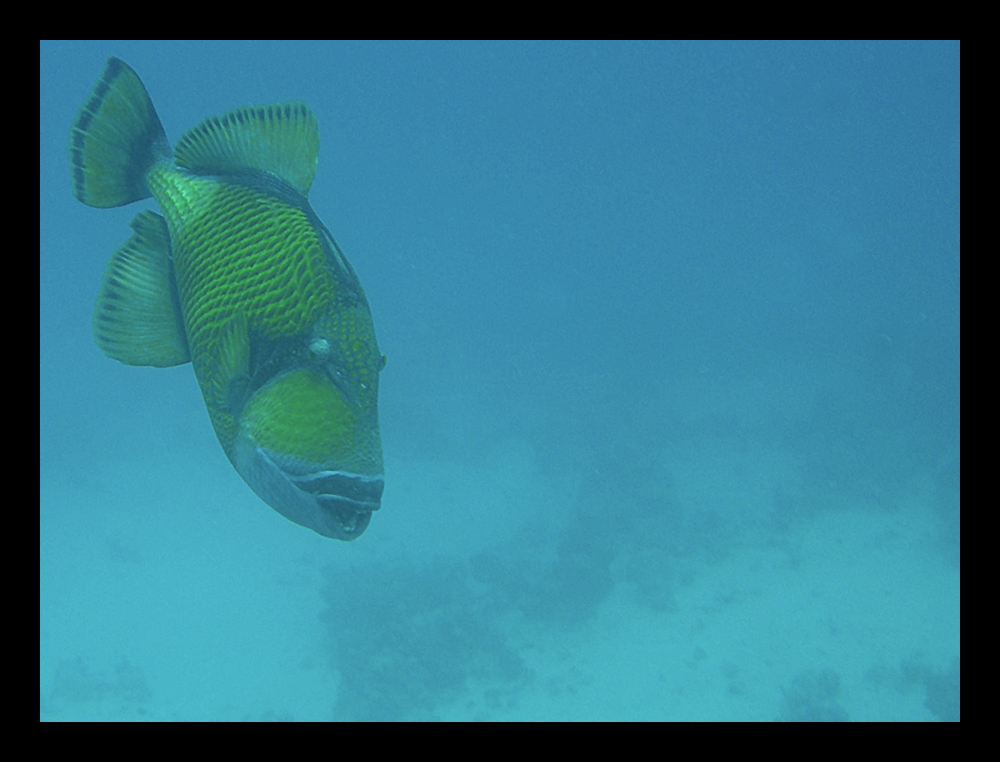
point(319, 350)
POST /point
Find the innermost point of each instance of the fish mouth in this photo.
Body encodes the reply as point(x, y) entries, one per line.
point(335, 504)
point(348, 499)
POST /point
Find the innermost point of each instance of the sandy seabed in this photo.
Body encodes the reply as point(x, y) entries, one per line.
point(169, 592)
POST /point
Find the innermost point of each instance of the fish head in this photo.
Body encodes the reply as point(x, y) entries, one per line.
point(308, 443)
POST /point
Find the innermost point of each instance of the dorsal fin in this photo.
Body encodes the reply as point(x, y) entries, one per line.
point(282, 138)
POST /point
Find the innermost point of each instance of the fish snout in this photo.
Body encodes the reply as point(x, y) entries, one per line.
point(335, 504)
point(345, 500)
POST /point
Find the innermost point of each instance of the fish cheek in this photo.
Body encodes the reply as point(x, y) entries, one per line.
point(302, 415)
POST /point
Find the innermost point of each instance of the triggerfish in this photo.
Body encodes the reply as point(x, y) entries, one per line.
point(239, 277)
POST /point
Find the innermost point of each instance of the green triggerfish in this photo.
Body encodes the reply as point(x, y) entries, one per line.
point(240, 278)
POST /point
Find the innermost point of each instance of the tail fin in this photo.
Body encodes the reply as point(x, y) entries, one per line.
point(115, 139)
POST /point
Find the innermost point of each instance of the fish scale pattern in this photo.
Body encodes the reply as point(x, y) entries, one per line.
point(252, 253)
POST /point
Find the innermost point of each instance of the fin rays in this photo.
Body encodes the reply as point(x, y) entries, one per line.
point(281, 138)
point(136, 320)
point(115, 138)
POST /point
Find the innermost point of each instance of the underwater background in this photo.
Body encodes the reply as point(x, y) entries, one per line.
point(671, 414)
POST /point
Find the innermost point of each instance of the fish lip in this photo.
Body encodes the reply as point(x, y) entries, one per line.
point(362, 492)
point(335, 504)
point(347, 499)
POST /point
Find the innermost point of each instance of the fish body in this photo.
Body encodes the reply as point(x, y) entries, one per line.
point(240, 277)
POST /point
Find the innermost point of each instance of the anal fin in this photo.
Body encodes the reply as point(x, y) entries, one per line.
point(137, 318)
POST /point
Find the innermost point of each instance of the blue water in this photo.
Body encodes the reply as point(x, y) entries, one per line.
point(671, 411)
